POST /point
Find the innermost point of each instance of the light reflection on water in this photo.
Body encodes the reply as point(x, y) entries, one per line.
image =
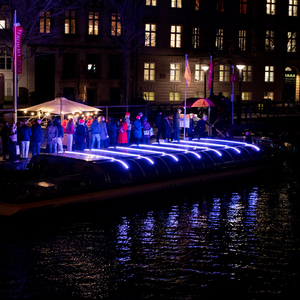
point(240, 240)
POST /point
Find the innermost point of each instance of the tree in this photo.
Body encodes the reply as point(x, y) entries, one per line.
point(126, 33)
point(35, 17)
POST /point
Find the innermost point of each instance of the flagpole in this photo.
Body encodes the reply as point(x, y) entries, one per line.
point(184, 100)
point(15, 67)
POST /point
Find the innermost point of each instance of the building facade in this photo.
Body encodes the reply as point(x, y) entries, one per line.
point(111, 52)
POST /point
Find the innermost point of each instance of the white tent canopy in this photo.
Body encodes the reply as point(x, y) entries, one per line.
point(61, 106)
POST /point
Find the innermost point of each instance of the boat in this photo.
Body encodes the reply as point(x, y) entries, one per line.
point(78, 177)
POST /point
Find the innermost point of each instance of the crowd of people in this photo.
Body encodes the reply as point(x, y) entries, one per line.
point(94, 133)
point(80, 134)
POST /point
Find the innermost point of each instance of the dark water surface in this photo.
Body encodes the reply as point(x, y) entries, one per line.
point(239, 240)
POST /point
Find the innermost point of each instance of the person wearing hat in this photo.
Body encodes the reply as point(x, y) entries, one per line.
point(176, 124)
point(137, 129)
point(37, 137)
point(129, 126)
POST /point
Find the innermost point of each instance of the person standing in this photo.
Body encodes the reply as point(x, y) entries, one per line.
point(60, 135)
point(129, 126)
point(81, 134)
point(166, 129)
point(95, 129)
point(37, 137)
point(176, 124)
point(5, 140)
point(112, 130)
point(158, 125)
point(137, 129)
point(146, 131)
point(70, 131)
point(104, 138)
point(51, 134)
point(13, 138)
point(24, 135)
point(201, 127)
point(122, 134)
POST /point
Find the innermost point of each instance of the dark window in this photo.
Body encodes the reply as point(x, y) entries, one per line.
point(115, 62)
point(69, 65)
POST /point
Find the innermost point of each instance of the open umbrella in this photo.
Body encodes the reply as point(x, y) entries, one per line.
point(198, 102)
point(61, 106)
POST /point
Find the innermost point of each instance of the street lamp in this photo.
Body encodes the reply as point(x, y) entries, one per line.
point(239, 100)
point(240, 67)
point(205, 68)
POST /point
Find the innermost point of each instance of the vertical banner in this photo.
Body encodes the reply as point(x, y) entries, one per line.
point(187, 73)
point(17, 47)
point(210, 77)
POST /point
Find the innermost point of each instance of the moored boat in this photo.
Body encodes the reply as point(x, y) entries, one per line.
point(55, 180)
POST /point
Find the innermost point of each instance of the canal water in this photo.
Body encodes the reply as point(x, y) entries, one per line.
point(238, 239)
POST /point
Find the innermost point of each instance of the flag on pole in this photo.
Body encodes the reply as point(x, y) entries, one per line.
point(187, 73)
point(210, 73)
point(17, 46)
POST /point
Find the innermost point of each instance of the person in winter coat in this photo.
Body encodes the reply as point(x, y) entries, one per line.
point(166, 129)
point(37, 137)
point(5, 140)
point(158, 125)
point(112, 130)
point(81, 134)
point(70, 131)
point(122, 134)
point(176, 124)
point(104, 138)
point(146, 131)
point(24, 135)
point(13, 138)
point(60, 135)
point(137, 129)
point(95, 129)
point(129, 126)
point(51, 135)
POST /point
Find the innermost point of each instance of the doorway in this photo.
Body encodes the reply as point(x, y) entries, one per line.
point(290, 76)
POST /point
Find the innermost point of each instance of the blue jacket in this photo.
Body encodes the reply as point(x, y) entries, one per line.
point(137, 128)
point(25, 133)
point(37, 133)
point(95, 127)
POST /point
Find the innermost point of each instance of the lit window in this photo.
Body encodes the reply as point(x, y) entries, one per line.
point(247, 96)
point(269, 40)
point(175, 72)
point(150, 35)
point(293, 8)
point(174, 96)
point(176, 3)
point(197, 5)
point(247, 73)
point(224, 73)
point(45, 22)
point(271, 7)
point(242, 40)
point(70, 22)
point(196, 38)
point(243, 7)
point(93, 23)
point(151, 2)
point(269, 95)
point(149, 96)
point(219, 39)
point(269, 73)
point(93, 65)
point(149, 71)
point(220, 5)
point(291, 41)
point(175, 41)
point(116, 29)
point(199, 73)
